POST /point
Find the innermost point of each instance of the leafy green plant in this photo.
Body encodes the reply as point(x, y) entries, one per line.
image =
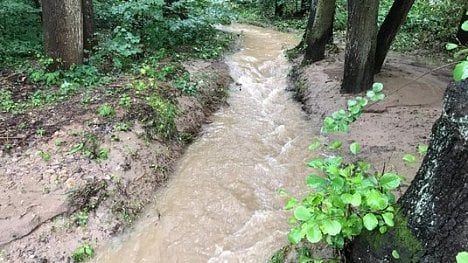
point(346, 197)
point(461, 69)
point(106, 110)
point(40, 132)
point(81, 217)
point(44, 155)
point(7, 104)
point(125, 101)
point(83, 253)
point(121, 126)
point(462, 257)
point(165, 113)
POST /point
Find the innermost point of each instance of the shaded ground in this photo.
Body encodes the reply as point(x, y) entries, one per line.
point(70, 177)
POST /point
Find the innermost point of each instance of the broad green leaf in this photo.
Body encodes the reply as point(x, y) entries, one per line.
point(422, 148)
point(332, 227)
point(370, 221)
point(333, 170)
point(352, 199)
point(370, 94)
point(379, 96)
point(302, 213)
point(377, 87)
point(316, 163)
point(315, 181)
point(355, 148)
point(295, 236)
point(462, 257)
point(315, 144)
point(337, 183)
point(395, 254)
point(376, 200)
point(291, 203)
point(409, 158)
point(352, 103)
point(335, 145)
point(313, 234)
point(464, 26)
point(461, 71)
point(390, 181)
point(450, 46)
point(383, 229)
point(388, 219)
point(362, 101)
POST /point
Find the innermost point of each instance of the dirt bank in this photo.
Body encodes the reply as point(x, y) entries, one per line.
point(70, 177)
point(389, 129)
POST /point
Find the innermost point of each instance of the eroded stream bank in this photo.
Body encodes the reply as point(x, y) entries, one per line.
point(222, 202)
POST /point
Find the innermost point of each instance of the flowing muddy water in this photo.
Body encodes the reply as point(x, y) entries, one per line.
point(222, 205)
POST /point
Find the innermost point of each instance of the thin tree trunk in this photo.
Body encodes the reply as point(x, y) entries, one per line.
point(389, 29)
point(63, 31)
point(321, 31)
point(88, 24)
point(360, 47)
point(432, 225)
point(310, 24)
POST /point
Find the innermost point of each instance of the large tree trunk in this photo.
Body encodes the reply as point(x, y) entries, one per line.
point(321, 31)
point(389, 29)
point(310, 24)
point(63, 31)
point(360, 47)
point(432, 225)
point(88, 24)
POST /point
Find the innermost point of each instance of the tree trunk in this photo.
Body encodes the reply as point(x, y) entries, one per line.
point(88, 24)
point(321, 31)
point(389, 29)
point(432, 225)
point(63, 31)
point(310, 24)
point(462, 35)
point(360, 48)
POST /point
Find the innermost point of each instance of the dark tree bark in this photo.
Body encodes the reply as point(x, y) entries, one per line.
point(462, 35)
point(310, 24)
point(321, 32)
point(360, 47)
point(63, 31)
point(389, 29)
point(88, 24)
point(433, 215)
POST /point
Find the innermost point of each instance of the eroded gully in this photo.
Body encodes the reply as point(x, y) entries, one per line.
point(222, 205)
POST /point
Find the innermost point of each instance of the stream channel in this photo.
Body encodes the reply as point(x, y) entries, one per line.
point(222, 202)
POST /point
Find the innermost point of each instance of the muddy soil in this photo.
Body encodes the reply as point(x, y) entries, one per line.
point(54, 197)
point(389, 129)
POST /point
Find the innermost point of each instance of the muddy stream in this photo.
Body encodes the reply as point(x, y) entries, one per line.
point(222, 205)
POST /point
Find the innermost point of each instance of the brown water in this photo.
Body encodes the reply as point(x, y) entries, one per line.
point(222, 205)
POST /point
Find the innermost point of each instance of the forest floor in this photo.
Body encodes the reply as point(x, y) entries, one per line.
point(71, 176)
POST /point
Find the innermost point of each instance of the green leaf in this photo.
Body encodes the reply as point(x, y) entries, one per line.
point(390, 181)
point(337, 183)
point(315, 181)
point(379, 96)
point(316, 163)
point(315, 144)
point(370, 94)
point(291, 203)
point(395, 254)
point(302, 213)
point(352, 103)
point(370, 221)
point(383, 229)
point(462, 257)
point(295, 235)
point(388, 219)
point(313, 234)
point(376, 200)
point(409, 158)
point(422, 149)
point(461, 71)
point(352, 199)
point(355, 148)
point(450, 46)
point(464, 26)
point(332, 227)
point(336, 144)
point(377, 87)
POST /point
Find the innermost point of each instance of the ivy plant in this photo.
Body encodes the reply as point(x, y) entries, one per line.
point(345, 197)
